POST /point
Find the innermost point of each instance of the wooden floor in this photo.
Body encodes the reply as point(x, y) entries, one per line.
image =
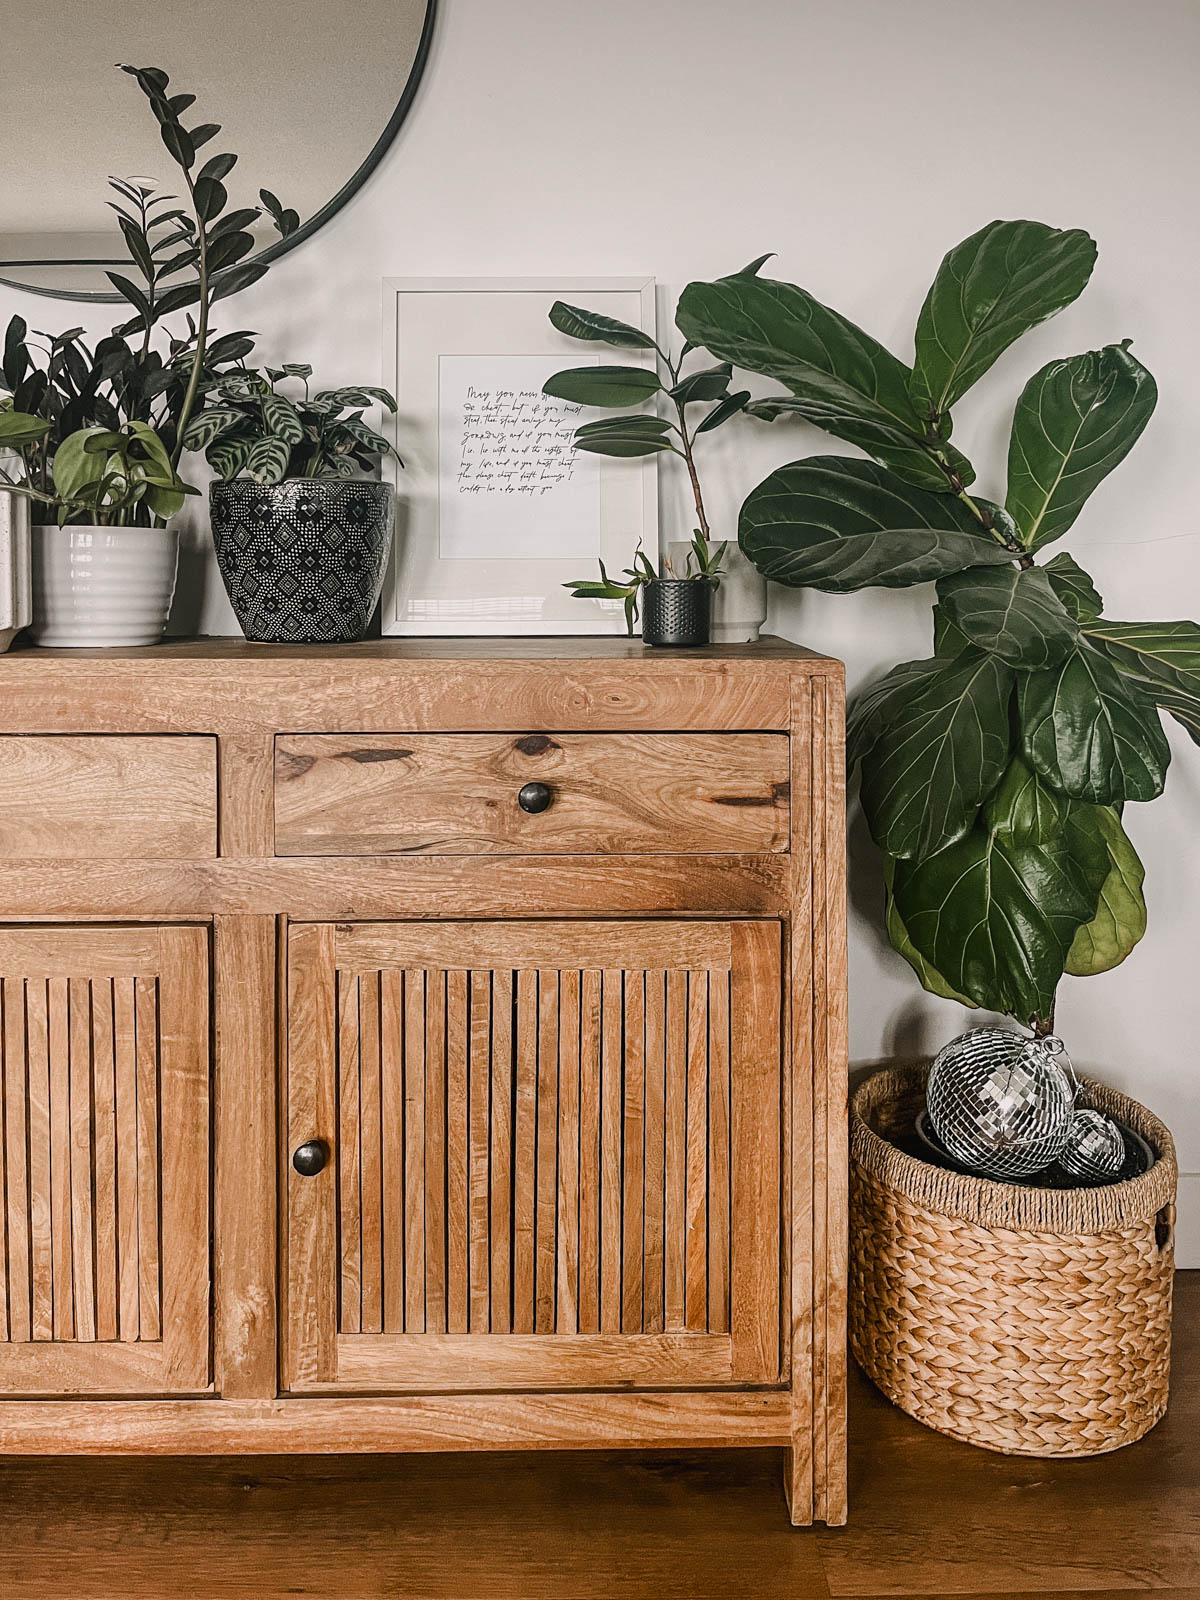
point(928, 1517)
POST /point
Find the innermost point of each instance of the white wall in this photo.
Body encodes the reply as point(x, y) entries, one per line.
point(860, 139)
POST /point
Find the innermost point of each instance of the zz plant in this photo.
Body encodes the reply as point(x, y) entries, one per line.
point(994, 773)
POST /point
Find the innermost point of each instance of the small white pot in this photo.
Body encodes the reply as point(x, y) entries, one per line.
point(95, 587)
point(740, 604)
point(15, 599)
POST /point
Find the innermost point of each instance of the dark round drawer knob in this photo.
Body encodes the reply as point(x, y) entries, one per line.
point(534, 797)
point(309, 1159)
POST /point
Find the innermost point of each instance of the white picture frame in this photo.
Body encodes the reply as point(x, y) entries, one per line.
point(449, 338)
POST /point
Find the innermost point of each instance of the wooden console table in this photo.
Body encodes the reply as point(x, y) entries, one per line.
point(424, 1045)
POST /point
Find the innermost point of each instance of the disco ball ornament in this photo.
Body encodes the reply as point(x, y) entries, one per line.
point(1095, 1148)
point(1000, 1103)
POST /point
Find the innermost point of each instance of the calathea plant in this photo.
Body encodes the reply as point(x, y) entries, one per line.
point(251, 427)
point(994, 773)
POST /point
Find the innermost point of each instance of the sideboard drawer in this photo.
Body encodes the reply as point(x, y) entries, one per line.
point(533, 793)
point(107, 796)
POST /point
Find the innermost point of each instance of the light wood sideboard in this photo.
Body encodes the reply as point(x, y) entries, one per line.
point(424, 1045)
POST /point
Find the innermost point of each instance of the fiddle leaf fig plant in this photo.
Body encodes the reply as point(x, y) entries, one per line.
point(993, 774)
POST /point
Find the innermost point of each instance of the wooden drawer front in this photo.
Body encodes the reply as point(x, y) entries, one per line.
point(554, 1155)
point(456, 794)
point(104, 1201)
point(72, 798)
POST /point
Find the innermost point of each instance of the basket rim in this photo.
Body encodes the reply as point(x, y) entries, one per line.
point(992, 1204)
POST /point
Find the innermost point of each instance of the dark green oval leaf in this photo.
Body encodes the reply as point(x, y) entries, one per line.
point(723, 410)
point(1023, 809)
point(636, 423)
point(1074, 588)
point(1013, 614)
point(1089, 733)
point(581, 324)
point(838, 524)
point(989, 290)
point(1075, 421)
point(217, 167)
point(616, 444)
point(931, 979)
point(1161, 659)
point(933, 740)
point(210, 198)
point(1120, 920)
point(709, 384)
point(603, 386)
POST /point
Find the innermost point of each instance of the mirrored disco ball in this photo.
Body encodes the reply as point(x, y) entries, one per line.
point(1095, 1148)
point(999, 1102)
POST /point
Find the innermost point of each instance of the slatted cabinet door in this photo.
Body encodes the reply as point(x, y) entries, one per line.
point(104, 1174)
point(551, 1155)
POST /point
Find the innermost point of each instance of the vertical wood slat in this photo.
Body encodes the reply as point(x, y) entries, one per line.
point(349, 1186)
point(457, 1177)
point(16, 1299)
point(104, 1108)
point(502, 1152)
point(566, 1318)
point(391, 1116)
point(546, 1252)
point(718, 1153)
point(655, 1148)
point(613, 1001)
point(525, 1146)
point(41, 1256)
point(415, 1155)
point(633, 1152)
point(479, 1046)
point(79, 1079)
point(696, 1270)
point(149, 1266)
point(675, 1160)
point(370, 1177)
point(435, 1152)
point(125, 1052)
point(589, 1150)
point(60, 1159)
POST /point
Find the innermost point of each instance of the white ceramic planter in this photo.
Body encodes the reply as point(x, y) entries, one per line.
point(15, 598)
point(740, 604)
point(94, 587)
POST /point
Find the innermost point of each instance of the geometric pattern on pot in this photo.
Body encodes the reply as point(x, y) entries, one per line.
point(302, 561)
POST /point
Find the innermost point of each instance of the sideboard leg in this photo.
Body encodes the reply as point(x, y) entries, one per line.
point(797, 1483)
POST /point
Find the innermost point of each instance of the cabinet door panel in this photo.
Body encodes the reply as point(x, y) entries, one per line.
point(104, 1198)
point(554, 1155)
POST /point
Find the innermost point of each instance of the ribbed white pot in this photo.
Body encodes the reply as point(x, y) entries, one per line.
point(740, 604)
point(94, 587)
point(15, 607)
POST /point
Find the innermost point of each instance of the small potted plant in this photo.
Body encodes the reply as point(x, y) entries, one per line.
point(301, 534)
point(996, 779)
point(675, 605)
point(737, 599)
point(103, 436)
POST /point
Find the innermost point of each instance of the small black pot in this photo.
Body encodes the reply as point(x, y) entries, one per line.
point(676, 611)
point(302, 561)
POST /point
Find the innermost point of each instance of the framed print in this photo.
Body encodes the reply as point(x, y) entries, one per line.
point(494, 509)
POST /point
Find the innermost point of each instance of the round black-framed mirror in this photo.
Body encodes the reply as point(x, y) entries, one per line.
point(311, 108)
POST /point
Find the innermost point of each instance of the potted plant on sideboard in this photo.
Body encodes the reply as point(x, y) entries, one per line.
point(675, 601)
point(995, 776)
point(301, 533)
point(104, 458)
point(739, 604)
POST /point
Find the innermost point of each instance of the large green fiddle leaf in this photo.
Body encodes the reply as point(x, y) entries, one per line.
point(897, 933)
point(1075, 421)
point(1074, 588)
point(603, 386)
point(582, 324)
point(933, 739)
point(997, 918)
point(1162, 659)
point(1090, 733)
point(1023, 809)
point(929, 466)
point(840, 524)
point(844, 380)
point(1120, 919)
point(1013, 614)
point(989, 290)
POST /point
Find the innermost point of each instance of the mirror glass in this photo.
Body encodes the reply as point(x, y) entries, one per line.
point(309, 94)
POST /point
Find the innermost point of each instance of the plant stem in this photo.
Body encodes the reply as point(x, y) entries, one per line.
point(189, 397)
point(692, 474)
point(1043, 1027)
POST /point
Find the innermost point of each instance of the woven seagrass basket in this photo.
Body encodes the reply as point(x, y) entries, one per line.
point(1031, 1321)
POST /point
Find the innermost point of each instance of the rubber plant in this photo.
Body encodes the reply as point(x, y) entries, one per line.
point(994, 773)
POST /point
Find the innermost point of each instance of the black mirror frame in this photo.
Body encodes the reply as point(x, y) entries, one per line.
point(349, 189)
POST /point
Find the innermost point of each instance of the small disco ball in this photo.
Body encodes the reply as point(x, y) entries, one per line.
point(1095, 1148)
point(999, 1102)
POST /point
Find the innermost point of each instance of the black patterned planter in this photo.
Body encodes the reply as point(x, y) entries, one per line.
point(676, 611)
point(302, 561)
